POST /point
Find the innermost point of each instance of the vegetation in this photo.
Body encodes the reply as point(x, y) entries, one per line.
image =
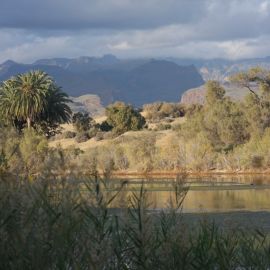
point(67, 224)
point(33, 99)
point(160, 110)
point(81, 121)
point(57, 213)
point(222, 134)
point(122, 118)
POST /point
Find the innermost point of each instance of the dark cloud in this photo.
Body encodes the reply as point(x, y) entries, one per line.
point(31, 29)
point(110, 14)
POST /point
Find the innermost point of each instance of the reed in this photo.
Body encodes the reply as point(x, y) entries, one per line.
point(53, 224)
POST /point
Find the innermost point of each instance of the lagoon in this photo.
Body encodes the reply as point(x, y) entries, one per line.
point(209, 194)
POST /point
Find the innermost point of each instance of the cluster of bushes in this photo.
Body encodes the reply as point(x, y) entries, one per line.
point(29, 154)
point(120, 118)
point(65, 224)
point(223, 134)
point(160, 110)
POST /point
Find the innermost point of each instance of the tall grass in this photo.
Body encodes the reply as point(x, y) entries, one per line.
point(65, 224)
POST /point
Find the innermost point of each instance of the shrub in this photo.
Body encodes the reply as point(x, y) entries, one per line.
point(81, 121)
point(163, 126)
point(33, 150)
point(109, 135)
point(257, 161)
point(82, 137)
point(99, 136)
point(123, 118)
point(69, 134)
point(104, 126)
point(159, 110)
point(92, 132)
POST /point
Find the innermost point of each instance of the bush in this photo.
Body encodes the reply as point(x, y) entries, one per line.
point(160, 110)
point(81, 121)
point(33, 150)
point(82, 137)
point(92, 132)
point(123, 118)
point(99, 136)
point(109, 135)
point(257, 161)
point(104, 126)
point(163, 126)
point(69, 134)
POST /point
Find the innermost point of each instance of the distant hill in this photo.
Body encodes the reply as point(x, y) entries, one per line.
point(221, 69)
point(87, 103)
point(137, 81)
point(197, 95)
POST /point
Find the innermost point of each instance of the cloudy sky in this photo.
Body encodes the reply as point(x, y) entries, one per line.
point(33, 29)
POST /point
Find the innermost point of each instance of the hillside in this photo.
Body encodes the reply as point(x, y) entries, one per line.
point(136, 81)
point(197, 95)
point(87, 103)
point(221, 69)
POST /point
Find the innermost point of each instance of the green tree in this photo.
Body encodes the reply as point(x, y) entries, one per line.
point(24, 96)
point(33, 98)
point(257, 103)
point(81, 121)
point(221, 121)
point(124, 117)
point(214, 92)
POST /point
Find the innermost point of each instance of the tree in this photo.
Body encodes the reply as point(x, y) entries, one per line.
point(56, 109)
point(124, 117)
point(253, 79)
point(33, 98)
point(221, 120)
point(257, 103)
point(214, 92)
point(81, 121)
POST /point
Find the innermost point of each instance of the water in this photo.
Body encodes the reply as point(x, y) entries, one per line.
point(209, 194)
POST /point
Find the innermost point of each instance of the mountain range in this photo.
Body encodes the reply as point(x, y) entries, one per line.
point(136, 81)
point(221, 69)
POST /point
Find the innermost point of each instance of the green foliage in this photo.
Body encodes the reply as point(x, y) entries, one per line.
point(257, 103)
point(33, 150)
point(214, 92)
point(159, 110)
point(123, 118)
point(104, 126)
point(221, 120)
point(33, 98)
point(81, 121)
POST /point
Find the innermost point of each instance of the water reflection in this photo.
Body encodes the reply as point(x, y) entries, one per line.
point(219, 194)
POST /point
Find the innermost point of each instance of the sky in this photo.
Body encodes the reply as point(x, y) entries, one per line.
point(231, 29)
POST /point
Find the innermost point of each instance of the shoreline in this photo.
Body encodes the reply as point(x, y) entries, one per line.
point(174, 174)
point(243, 219)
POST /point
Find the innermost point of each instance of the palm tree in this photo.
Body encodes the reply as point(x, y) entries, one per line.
point(24, 96)
point(7, 97)
point(56, 110)
point(33, 97)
